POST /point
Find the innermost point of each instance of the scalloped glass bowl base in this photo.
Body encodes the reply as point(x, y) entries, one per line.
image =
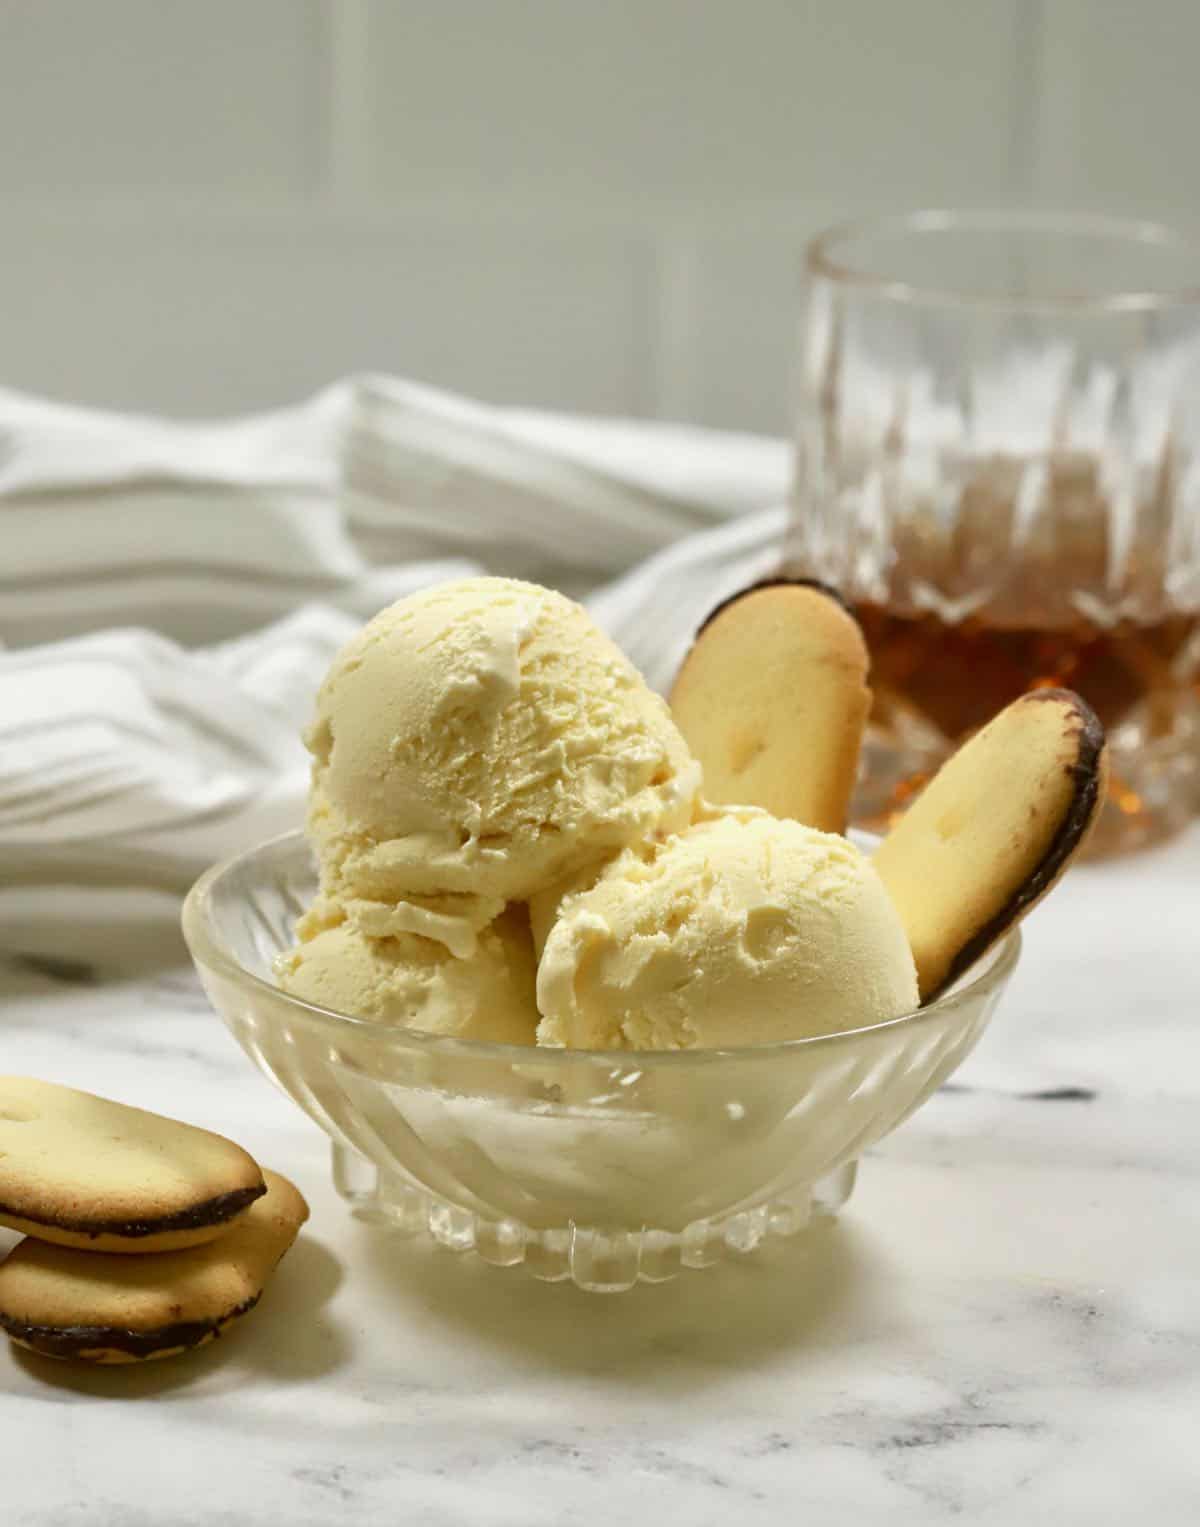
point(596, 1260)
point(604, 1168)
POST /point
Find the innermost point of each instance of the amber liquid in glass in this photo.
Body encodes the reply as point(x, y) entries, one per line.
point(958, 676)
point(998, 463)
point(954, 677)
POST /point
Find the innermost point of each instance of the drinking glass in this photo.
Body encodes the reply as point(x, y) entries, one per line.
point(997, 464)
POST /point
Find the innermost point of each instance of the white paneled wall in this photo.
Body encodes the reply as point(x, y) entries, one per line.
point(591, 204)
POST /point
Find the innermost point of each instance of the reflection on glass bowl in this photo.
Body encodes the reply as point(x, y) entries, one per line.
point(599, 1167)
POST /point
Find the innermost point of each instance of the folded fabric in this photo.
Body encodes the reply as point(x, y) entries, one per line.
point(171, 595)
point(206, 531)
point(653, 611)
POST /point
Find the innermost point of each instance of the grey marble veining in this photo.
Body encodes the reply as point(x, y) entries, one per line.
point(1003, 1327)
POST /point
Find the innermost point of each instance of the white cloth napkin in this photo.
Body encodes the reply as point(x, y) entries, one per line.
point(170, 595)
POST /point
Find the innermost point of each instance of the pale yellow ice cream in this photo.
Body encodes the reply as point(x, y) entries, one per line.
point(744, 929)
point(418, 982)
point(475, 743)
point(484, 755)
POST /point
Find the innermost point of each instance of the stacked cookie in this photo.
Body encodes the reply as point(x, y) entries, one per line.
point(773, 700)
point(145, 1237)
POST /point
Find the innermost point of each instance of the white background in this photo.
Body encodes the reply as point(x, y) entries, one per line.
point(591, 204)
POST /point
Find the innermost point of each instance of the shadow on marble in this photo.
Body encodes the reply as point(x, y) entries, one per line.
point(287, 1339)
point(785, 1297)
point(296, 1341)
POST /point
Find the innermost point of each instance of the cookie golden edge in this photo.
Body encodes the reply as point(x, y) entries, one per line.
point(1090, 774)
point(775, 581)
point(196, 1226)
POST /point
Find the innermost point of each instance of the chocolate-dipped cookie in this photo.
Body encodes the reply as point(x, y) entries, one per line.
point(99, 1308)
point(772, 699)
point(80, 1170)
point(993, 830)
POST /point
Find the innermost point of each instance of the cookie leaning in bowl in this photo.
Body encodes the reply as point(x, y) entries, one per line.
point(83, 1171)
point(994, 830)
point(99, 1308)
point(772, 700)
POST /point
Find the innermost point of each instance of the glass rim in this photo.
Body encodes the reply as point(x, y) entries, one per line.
point(821, 258)
point(990, 971)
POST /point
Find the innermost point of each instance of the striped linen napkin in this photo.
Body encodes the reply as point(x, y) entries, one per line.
point(170, 595)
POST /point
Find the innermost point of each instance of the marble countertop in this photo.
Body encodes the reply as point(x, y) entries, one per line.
point(1003, 1326)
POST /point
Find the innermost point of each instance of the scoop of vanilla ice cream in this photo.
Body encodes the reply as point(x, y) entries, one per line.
point(418, 982)
point(743, 929)
point(474, 743)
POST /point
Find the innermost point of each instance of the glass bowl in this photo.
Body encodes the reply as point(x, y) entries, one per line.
point(601, 1167)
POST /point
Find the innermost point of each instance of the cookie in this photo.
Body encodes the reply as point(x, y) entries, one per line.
point(993, 830)
point(772, 700)
point(99, 1308)
point(83, 1171)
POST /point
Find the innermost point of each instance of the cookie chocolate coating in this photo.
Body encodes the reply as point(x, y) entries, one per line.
point(86, 1343)
point(214, 1211)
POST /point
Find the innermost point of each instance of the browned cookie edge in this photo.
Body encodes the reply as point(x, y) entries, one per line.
point(213, 1211)
point(776, 582)
point(76, 1341)
point(1088, 773)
